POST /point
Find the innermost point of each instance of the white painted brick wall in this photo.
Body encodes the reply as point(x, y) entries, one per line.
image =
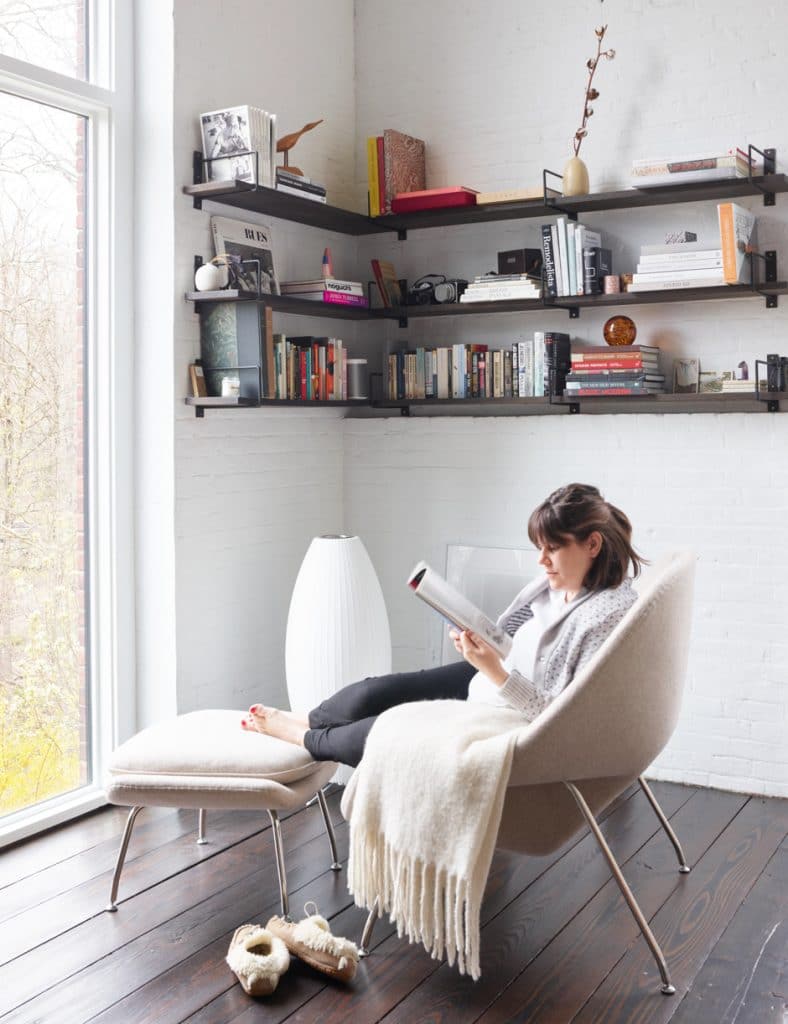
point(496, 92)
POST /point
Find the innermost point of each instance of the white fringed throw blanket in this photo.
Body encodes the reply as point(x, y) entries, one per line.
point(424, 808)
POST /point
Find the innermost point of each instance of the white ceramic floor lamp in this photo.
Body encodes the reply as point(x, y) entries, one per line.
point(337, 626)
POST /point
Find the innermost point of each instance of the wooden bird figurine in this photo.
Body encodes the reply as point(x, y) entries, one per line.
point(286, 143)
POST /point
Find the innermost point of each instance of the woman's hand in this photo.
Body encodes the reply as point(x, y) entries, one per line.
point(479, 654)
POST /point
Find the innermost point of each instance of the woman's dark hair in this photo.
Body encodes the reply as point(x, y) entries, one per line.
point(574, 512)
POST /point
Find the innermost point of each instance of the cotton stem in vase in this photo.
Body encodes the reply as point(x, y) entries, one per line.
point(575, 172)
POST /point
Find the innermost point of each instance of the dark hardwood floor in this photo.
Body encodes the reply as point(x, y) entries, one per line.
point(558, 942)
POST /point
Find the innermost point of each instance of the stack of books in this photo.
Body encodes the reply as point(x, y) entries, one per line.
point(395, 164)
point(239, 144)
point(679, 265)
point(327, 289)
point(700, 264)
point(498, 287)
point(574, 259)
point(710, 166)
point(605, 370)
point(733, 386)
point(299, 185)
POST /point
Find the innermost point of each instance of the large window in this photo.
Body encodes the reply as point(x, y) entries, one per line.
point(64, 123)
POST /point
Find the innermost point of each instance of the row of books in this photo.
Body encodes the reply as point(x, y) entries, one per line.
point(299, 185)
point(710, 166)
point(601, 370)
point(525, 369)
point(239, 144)
point(331, 290)
point(310, 369)
point(718, 262)
point(395, 163)
point(574, 259)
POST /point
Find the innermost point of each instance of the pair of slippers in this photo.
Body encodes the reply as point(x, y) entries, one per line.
point(259, 957)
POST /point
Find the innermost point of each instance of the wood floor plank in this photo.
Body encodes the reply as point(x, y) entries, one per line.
point(406, 984)
point(43, 921)
point(557, 983)
point(127, 968)
point(691, 922)
point(58, 878)
point(198, 979)
point(29, 856)
point(89, 941)
point(745, 978)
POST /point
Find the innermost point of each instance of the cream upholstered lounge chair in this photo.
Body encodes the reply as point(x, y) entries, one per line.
point(603, 731)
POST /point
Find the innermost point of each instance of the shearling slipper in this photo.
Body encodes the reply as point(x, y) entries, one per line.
point(257, 958)
point(311, 941)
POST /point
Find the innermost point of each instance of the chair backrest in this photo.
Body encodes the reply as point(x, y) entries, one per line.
point(611, 721)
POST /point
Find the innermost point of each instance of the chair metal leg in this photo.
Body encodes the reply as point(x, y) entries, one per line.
point(124, 845)
point(276, 828)
point(668, 988)
point(332, 840)
point(201, 827)
point(363, 946)
point(683, 866)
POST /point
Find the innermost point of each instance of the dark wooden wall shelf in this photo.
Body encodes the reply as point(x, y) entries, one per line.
point(268, 201)
point(201, 404)
point(287, 304)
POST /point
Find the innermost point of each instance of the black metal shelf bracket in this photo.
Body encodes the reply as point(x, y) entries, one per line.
point(769, 167)
point(574, 408)
point(777, 384)
point(549, 200)
point(769, 275)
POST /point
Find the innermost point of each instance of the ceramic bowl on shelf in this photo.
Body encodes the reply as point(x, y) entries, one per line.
point(619, 330)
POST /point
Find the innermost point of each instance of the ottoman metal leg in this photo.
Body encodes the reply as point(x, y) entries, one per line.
point(276, 829)
point(363, 948)
point(332, 840)
point(124, 845)
point(201, 827)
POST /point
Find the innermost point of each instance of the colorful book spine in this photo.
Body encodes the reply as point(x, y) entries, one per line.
point(372, 176)
point(548, 261)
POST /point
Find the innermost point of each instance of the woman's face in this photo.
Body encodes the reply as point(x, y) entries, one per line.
point(567, 564)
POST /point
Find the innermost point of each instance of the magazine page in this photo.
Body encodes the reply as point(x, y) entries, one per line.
point(228, 133)
point(432, 588)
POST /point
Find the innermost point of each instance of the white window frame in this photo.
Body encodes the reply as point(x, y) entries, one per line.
point(107, 103)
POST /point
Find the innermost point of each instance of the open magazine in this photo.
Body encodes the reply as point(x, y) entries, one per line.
point(431, 587)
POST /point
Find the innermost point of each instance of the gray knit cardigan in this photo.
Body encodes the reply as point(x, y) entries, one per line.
point(566, 647)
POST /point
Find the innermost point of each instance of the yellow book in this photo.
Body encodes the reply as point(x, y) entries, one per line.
point(372, 176)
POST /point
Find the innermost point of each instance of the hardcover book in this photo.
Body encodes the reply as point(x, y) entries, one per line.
point(433, 199)
point(404, 166)
point(737, 234)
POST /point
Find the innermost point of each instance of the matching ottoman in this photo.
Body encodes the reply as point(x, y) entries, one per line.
point(205, 760)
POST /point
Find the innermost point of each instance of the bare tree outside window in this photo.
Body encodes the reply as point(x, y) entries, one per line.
point(49, 33)
point(43, 687)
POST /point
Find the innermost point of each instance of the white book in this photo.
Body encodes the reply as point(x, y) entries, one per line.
point(539, 368)
point(684, 274)
point(571, 257)
point(561, 229)
point(443, 373)
point(677, 283)
point(432, 588)
point(678, 267)
point(680, 248)
point(696, 256)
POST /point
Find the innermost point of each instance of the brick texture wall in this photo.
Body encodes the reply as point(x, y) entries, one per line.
point(496, 93)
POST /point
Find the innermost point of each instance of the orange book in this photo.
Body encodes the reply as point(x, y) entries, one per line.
point(737, 236)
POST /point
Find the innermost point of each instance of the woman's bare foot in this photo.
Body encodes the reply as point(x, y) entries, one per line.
point(283, 725)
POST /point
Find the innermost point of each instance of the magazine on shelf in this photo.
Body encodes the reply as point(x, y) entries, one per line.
point(432, 588)
point(246, 137)
point(248, 241)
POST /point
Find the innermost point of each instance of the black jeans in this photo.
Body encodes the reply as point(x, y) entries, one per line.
point(340, 725)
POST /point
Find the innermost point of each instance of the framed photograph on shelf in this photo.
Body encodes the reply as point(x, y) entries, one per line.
point(247, 241)
point(227, 133)
point(686, 376)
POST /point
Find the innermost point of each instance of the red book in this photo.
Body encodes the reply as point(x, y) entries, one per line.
point(602, 392)
point(433, 199)
point(612, 364)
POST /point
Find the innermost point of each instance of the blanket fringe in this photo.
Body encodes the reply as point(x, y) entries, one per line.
point(424, 901)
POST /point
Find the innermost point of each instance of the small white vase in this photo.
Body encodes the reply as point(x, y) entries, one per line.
point(575, 178)
point(210, 278)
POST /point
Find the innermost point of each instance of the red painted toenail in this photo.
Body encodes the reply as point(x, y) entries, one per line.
point(254, 708)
